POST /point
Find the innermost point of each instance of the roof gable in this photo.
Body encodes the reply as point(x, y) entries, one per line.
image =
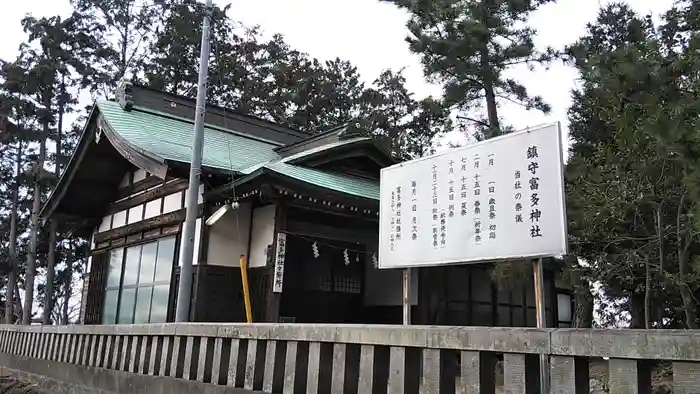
point(122, 135)
point(337, 145)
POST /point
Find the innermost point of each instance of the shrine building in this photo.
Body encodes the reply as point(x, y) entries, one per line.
point(302, 208)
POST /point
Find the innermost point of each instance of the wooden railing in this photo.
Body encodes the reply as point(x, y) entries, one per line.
point(278, 358)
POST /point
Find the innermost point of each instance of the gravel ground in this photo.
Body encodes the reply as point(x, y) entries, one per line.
point(10, 385)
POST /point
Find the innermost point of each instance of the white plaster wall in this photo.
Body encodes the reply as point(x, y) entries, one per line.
point(139, 175)
point(135, 214)
point(263, 234)
point(106, 224)
point(153, 208)
point(125, 181)
point(200, 198)
point(197, 244)
point(119, 219)
point(172, 202)
point(228, 237)
point(150, 209)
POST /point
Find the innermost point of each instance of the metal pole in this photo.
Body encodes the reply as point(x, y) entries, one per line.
point(541, 321)
point(406, 296)
point(187, 246)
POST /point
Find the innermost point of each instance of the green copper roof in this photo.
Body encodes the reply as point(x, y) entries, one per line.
point(170, 139)
point(359, 187)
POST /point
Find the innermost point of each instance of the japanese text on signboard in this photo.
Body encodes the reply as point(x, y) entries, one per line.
point(498, 199)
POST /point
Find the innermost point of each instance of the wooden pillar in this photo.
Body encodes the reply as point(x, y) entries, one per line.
point(273, 300)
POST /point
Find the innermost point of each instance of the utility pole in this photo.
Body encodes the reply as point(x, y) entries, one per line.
point(184, 293)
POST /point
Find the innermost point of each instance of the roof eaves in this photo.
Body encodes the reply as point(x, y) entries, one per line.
point(71, 167)
point(279, 167)
point(142, 158)
point(236, 182)
point(336, 191)
point(324, 134)
point(324, 148)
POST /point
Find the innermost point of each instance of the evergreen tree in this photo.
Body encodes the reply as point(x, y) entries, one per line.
point(631, 193)
point(270, 80)
point(468, 45)
point(117, 34)
point(53, 54)
point(15, 93)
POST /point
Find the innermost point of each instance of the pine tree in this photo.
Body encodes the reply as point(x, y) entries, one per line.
point(468, 45)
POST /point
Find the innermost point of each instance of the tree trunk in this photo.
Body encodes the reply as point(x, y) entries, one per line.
point(662, 260)
point(50, 264)
point(67, 284)
point(53, 229)
point(647, 294)
point(636, 306)
point(648, 318)
point(18, 305)
point(583, 301)
point(34, 230)
point(686, 294)
point(12, 277)
point(490, 94)
point(123, 61)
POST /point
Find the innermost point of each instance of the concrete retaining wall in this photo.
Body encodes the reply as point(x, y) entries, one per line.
point(63, 378)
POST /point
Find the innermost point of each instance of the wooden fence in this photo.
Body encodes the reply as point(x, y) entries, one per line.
point(299, 358)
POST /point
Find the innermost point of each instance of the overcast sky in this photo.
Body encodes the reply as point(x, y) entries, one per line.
point(371, 35)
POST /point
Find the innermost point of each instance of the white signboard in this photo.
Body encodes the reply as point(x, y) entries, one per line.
point(281, 253)
point(498, 199)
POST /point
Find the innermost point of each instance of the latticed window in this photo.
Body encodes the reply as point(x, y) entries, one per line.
point(138, 283)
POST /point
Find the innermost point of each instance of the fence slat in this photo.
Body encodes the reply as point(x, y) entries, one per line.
point(85, 350)
point(233, 363)
point(59, 347)
point(216, 360)
point(175, 356)
point(469, 378)
point(366, 378)
point(314, 368)
point(189, 344)
point(338, 372)
point(124, 362)
point(142, 362)
point(430, 375)
point(96, 358)
point(164, 355)
point(514, 373)
point(397, 370)
point(109, 350)
point(569, 375)
point(155, 341)
point(686, 377)
point(626, 377)
point(249, 378)
point(202, 359)
point(269, 373)
point(290, 367)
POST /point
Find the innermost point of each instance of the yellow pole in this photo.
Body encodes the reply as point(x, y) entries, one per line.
point(246, 289)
